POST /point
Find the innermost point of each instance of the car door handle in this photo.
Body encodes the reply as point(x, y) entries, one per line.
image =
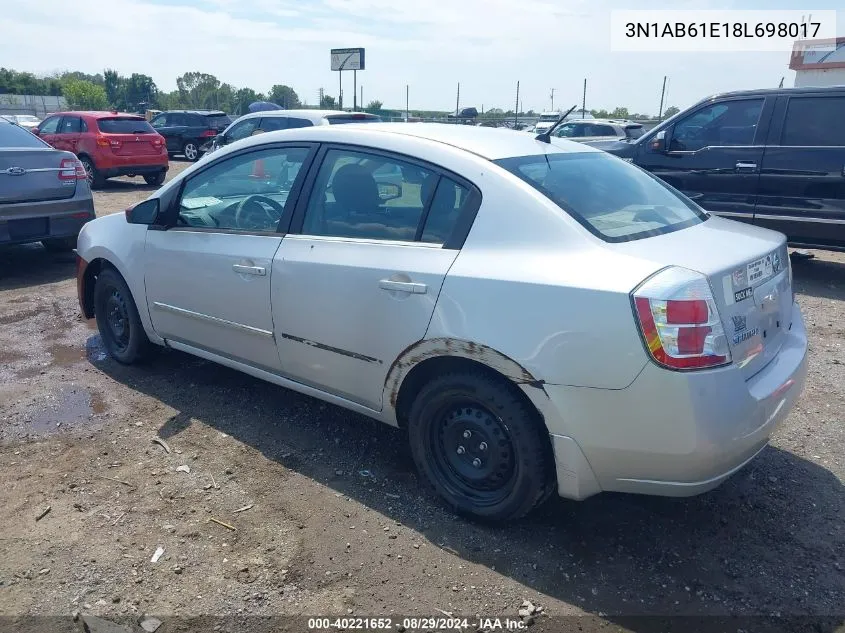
point(242, 269)
point(403, 286)
point(746, 166)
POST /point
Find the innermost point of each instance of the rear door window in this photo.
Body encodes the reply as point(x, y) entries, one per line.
point(70, 125)
point(815, 122)
point(602, 130)
point(124, 125)
point(219, 121)
point(273, 123)
point(294, 122)
point(614, 200)
point(14, 136)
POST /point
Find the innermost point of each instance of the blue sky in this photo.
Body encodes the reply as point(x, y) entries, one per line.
point(431, 45)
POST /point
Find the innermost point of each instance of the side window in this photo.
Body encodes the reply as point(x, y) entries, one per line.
point(720, 124)
point(273, 123)
point(299, 123)
point(814, 121)
point(602, 130)
point(446, 207)
point(50, 125)
point(366, 196)
point(177, 118)
point(160, 120)
point(247, 192)
point(70, 125)
point(242, 130)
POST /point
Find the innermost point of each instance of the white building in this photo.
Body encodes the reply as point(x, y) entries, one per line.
point(815, 64)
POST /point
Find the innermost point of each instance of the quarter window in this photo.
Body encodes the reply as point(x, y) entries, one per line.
point(448, 203)
point(247, 192)
point(367, 196)
point(814, 121)
point(721, 124)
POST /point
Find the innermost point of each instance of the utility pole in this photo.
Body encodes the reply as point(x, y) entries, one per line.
point(362, 97)
point(354, 90)
point(340, 90)
point(584, 100)
point(458, 103)
point(320, 95)
point(553, 100)
point(407, 90)
point(516, 107)
point(662, 94)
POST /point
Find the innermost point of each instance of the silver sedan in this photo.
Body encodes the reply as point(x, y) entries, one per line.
point(539, 317)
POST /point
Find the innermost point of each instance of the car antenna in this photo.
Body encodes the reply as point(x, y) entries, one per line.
point(546, 137)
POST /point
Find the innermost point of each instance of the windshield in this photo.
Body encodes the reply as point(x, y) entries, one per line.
point(338, 119)
point(124, 125)
point(13, 136)
point(614, 200)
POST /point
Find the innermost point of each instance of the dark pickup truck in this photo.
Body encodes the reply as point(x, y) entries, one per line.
point(775, 158)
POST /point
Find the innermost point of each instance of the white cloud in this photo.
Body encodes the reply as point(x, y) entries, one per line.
point(487, 45)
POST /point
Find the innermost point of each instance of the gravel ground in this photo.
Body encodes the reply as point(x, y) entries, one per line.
point(333, 519)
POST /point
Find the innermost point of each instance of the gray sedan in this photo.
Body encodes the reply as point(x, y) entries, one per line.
point(44, 195)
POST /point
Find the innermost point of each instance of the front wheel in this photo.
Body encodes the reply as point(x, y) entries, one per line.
point(118, 320)
point(191, 151)
point(481, 446)
point(155, 179)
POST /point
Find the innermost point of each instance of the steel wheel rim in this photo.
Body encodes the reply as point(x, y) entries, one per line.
point(190, 151)
point(89, 171)
point(117, 320)
point(473, 452)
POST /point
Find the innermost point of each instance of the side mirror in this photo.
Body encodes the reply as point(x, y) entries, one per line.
point(145, 212)
point(659, 143)
point(389, 191)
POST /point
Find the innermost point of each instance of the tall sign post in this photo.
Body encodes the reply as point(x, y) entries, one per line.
point(347, 59)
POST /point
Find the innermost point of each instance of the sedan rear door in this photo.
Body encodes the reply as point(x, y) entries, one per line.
point(357, 279)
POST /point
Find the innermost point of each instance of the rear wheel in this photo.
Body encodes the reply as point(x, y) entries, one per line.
point(155, 179)
point(60, 244)
point(191, 150)
point(481, 446)
point(118, 320)
point(95, 179)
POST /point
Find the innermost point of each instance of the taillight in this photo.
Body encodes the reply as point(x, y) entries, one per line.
point(208, 133)
point(158, 141)
point(71, 169)
point(103, 141)
point(679, 320)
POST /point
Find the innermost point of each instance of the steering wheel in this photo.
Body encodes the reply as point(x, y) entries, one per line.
point(251, 214)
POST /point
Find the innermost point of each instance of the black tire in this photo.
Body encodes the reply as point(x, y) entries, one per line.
point(191, 151)
point(60, 244)
point(155, 179)
point(118, 320)
point(499, 472)
point(95, 178)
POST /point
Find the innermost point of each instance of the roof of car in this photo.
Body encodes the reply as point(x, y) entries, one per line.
point(312, 115)
point(773, 91)
point(97, 114)
point(487, 142)
point(203, 112)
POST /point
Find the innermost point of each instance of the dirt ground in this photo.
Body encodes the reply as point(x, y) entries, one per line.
point(333, 519)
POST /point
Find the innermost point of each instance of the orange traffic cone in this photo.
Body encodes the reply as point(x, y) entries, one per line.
point(258, 169)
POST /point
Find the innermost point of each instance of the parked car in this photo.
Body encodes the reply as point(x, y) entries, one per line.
point(108, 144)
point(774, 158)
point(273, 120)
point(599, 129)
point(26, 121)
point(44, 195)
point(538, 317)
point(186, 131)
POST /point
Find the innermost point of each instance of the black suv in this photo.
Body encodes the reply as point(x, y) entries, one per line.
point(775, 158)
point(187, 130)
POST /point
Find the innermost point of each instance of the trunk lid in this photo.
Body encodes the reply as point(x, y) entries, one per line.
point(749, 273)
point(32, 175)
point(130, 136)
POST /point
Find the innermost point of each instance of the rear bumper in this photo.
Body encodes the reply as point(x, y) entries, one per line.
point(134, 165)
point(35, 221)
point(679, 433)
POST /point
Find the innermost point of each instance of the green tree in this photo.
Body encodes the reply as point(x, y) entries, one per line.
point(328, 102)
point(243, 98)
point(671, 111)
point(115, 89)
point(84, 95)
point(140, 92)
point(285, 96)
point(600, 114)
point(620, 113)
point(374, 106)
point(198, 90)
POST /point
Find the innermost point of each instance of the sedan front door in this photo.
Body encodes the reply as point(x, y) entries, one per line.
point(208, 273)
point(359, 283)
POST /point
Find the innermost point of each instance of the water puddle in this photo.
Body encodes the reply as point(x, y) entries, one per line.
point(64, 355)
point(68, 409)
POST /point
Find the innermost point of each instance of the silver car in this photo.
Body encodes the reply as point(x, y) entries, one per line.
point(538, 317)
point(44, 194)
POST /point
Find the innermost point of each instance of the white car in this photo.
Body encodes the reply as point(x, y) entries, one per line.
point(26, 121)
point(274, 120)
point(539, 317)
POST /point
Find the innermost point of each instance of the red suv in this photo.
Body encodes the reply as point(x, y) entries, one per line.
point(108, 144)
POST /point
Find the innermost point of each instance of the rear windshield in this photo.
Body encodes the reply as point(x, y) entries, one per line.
point(217, 120)
point(634, 131)
point(14, 136)
point(337, 119)
point(614, 200)
point(124, 125)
